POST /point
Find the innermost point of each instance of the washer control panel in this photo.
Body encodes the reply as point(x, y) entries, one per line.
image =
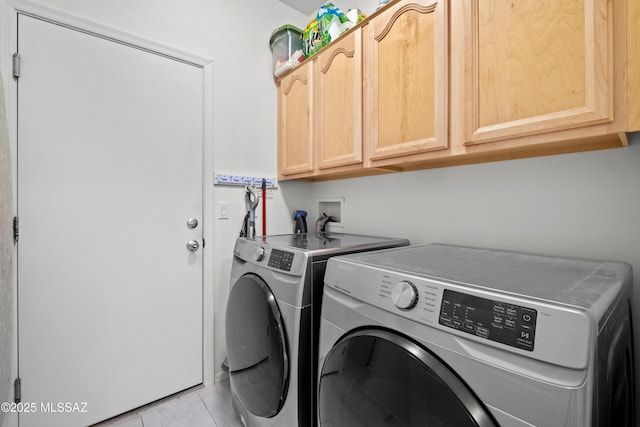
point(470, 313)
point(494, 320)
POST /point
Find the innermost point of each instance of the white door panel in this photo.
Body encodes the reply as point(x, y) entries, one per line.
point(110, 144)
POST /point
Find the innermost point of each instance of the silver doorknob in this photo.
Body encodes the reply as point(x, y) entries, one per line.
point(192, 223)
point(193, 245)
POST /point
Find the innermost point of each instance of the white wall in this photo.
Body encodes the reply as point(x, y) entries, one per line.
point(577, 205)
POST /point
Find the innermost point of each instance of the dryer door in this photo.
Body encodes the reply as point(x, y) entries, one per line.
point(376, 377)
point(256, 347)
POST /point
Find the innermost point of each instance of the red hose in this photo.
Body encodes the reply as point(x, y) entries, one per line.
point(264, 207)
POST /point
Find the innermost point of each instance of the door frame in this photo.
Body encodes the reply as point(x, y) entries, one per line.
point(9, 10)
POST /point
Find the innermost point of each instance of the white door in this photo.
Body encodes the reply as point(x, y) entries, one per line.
point(110, 141)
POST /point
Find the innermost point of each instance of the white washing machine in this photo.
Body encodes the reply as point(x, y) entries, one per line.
point(272, 322)
point(439, 335)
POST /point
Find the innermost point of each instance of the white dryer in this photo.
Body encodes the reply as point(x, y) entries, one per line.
point(439, 335)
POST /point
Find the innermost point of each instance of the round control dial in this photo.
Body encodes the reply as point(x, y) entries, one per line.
point(259, 255)
point(404, 295)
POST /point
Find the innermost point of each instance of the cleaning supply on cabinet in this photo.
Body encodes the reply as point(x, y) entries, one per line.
point(286, 49)
point(356, 16)
point(329, 24)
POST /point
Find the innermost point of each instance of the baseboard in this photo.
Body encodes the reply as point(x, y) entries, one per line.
point(220, 376)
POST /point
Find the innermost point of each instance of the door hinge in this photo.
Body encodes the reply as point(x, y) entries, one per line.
point(16, 229)
point(17, 390)
point(16, 65)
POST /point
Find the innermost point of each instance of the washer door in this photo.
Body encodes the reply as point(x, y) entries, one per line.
point(376, 377)
point(256, 347)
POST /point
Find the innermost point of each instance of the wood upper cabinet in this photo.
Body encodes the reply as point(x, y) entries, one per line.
point(528, 67)
point(338, 104)
point(295, 123)
point(633, 64)
point(320, 112)
point(406, 81)
point(432, 83)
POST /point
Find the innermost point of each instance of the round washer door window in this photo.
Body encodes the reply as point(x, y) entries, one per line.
point(256, 347)
point(375, 377)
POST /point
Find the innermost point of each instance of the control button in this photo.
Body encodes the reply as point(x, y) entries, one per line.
point(404, 295)
point(259, 256)
point(526, 318)
point(482, 332)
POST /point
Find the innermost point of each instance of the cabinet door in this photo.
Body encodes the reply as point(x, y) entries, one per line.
point(338, 103)
point(532, 67)
point(633, 64)
point(295, 153)
point(406, 73)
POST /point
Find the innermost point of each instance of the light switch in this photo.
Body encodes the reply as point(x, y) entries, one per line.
point(223, 209)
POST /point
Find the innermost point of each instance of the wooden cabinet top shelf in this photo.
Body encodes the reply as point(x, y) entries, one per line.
point(358, 25)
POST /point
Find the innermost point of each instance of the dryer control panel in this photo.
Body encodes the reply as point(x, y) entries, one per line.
point(282, 260)
point(495, 320)
point(292, 263)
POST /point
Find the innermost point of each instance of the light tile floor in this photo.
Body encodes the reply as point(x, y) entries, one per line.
point(202, 407)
